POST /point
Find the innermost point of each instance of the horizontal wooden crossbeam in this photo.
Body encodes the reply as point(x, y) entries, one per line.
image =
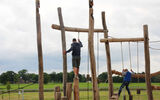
point(73, 29)
point(122, 40)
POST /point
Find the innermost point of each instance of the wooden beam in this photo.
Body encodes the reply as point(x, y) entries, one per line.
point(40, 53)
point(92, 56)
point(107, 47)
point(73, 29)
point(121, 39)
point(63, 37)
point(147, 62)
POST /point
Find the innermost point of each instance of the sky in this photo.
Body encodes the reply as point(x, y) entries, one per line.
point(124, 18)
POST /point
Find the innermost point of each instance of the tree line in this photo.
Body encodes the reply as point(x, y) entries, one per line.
point(24, 77)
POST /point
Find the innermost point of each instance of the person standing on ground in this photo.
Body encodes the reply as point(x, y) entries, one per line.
point(76, 55)
point(126, 80)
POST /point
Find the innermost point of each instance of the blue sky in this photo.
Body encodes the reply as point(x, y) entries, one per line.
point(124, 19)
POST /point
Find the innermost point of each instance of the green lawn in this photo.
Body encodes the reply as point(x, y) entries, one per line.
point(81, 85)
point(84, 95)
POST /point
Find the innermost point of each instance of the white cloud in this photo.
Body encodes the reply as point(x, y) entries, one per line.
point(18, 30)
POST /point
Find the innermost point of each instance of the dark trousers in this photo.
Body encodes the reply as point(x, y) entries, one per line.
point(125, 83)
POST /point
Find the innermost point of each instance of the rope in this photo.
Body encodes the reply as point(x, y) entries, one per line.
point(130, 55)
point(138, 65)
point(122, 67)
point(122, 56)
point(88, 73)
point(78, 35)
point(97, 54)
point(138, 59)
point(154, 48)
point(154, 41)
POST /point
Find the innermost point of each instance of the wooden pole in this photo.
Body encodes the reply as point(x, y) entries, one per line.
point(40, 54)
point(74, 29)
point(64, 98)
point(69, 91)
point(107, 47)
point(76, 89)
point(58, 96)
point(92, 56)
point(63, 49)
point(122, 40)
point(57, 89)
point(147, 63)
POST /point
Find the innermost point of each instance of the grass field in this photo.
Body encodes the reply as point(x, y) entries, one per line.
point(84, 95)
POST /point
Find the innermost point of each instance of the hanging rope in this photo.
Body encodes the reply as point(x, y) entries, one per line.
point(138, 68)
point(122, 67)
point(97, 54)
point(138, 59)
point(78, 35)
point(88, 76)
point(122, 56)
point(130, 60)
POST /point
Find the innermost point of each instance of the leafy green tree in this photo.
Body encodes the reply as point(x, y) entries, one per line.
point(156, 79)
point(117, 79)
point(82, 78)
point(31, 77)
point(8, 76)
point(103, 77)
point(70, 76)
point(46, 78)
point(23, 74)
point(59, 77)
point(53, 77)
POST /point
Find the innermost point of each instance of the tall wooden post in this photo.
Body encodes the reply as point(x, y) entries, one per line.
point(63, 49)
point(107, 47)
point(56, 89)
point(76, 89)
point(91, 52)
point(69, 91)
point(40, 55)
point(147, 63)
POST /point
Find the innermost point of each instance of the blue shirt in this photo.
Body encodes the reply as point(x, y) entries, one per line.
point(127, 76)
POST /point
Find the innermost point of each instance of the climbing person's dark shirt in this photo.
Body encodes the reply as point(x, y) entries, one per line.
point(75, 48)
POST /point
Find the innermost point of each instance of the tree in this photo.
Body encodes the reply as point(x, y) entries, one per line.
point(53, 77)
point(23, 74)
point(103, 77)
point(8, 76)
point(31, 77)
point(60, 77)
point(46, 78)
point(70, 76)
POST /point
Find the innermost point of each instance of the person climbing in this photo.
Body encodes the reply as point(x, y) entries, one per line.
point(76, 55)
point(126, 80)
